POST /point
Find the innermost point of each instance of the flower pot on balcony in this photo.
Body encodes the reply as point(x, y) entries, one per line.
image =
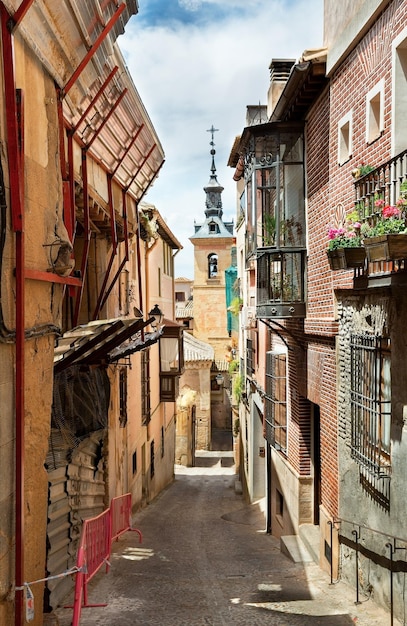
point(386, 247)
point(346, 258)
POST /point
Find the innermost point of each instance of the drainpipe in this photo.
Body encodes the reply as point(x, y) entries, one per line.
point(173, 281)
point(147, 252)
point(15, 159)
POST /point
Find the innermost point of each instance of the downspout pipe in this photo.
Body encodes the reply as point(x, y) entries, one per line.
point(15, 164)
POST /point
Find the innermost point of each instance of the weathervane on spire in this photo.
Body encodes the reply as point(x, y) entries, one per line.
point(212, 130)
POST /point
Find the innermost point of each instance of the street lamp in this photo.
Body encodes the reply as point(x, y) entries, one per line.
point(219, 379)
point(158, 316)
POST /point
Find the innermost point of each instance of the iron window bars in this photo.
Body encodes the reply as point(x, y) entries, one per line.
point(276, 400)
point(371, 402)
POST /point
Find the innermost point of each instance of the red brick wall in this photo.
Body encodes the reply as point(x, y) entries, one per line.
point(329, 185)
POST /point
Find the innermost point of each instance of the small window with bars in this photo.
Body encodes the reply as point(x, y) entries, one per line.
point(371, 402)
point(123, 397)
point(249, 357)
point(145, 387)
point(152, 459)
point(276, 400)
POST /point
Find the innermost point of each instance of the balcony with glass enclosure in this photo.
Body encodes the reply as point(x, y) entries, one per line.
point(275, 217)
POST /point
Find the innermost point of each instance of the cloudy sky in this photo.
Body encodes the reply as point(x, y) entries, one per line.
point(201, 62)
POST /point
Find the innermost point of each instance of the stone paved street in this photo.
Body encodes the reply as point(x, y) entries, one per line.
point(206, 561)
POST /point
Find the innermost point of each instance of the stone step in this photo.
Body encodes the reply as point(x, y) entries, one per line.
point(309, 533)
point(293, 547)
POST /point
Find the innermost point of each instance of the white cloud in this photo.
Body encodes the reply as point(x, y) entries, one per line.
point(190, 5)
point(190, 78)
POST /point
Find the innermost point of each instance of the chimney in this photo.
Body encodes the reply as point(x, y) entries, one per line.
point(280, 70)
point(256, 114)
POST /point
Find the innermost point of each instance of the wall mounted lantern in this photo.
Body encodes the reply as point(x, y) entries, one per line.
point(158, 316)
point(219, 379)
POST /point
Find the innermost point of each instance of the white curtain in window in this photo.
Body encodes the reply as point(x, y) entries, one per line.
point(169, 354)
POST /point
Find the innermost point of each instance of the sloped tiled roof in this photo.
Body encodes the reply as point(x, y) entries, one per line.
point(184, 311)
point(196, 350)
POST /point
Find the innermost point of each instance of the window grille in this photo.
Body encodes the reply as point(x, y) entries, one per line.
point(145, 387)
point(249, 357)
point(371, 402)
point(123, 397)
point(152, 460)
point(276, 400)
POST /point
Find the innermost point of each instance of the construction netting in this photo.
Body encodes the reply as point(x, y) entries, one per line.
point(80, 406)
point(232, 295)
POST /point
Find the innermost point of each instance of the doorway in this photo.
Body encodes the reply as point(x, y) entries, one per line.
point(316, 459)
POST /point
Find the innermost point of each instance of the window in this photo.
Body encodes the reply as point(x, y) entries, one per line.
point(145, 387)
point(345, 139)
point(212, 265)
point(162, 441)
point(169, 388)
point(152, 459)
point(179, 296)
point(279, 503)
point(167, 260)
point(375, 112)
point(171, 361)
point(134, 462)
point(371, 402)
point(276, 400)
point(249, 357)
point(399, 91)
point(123, 397)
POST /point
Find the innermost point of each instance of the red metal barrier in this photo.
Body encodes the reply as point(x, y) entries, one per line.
point(120, 512)
point(93, 552)
point(95, 547)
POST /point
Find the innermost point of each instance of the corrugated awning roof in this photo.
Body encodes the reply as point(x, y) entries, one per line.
point(135, 345)
point(101, 342)
point(62, 33)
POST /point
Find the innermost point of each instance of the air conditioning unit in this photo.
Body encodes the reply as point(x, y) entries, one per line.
point(249, 320)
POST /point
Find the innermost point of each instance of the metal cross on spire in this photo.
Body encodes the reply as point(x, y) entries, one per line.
point(212, 130)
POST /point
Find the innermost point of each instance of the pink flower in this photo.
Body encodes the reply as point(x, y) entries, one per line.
point(379, 203)
point(356, 225)
point(390, 211)
point(333, 233)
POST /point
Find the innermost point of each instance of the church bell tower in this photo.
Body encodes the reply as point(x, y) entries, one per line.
point(213, 241)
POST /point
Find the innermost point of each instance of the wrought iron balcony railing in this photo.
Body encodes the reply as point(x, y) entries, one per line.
point(381, 187)
point(384, 181)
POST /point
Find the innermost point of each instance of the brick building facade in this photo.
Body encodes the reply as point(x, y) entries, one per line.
point(324, 366)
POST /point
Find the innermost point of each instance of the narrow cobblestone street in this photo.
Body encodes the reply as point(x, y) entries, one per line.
point(206, 561)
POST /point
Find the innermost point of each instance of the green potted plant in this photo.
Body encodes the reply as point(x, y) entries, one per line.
point(345, 250)
point(269, 228)
point(362, 170)
point(385, 239)
point(237, 388)
point(236, 306)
